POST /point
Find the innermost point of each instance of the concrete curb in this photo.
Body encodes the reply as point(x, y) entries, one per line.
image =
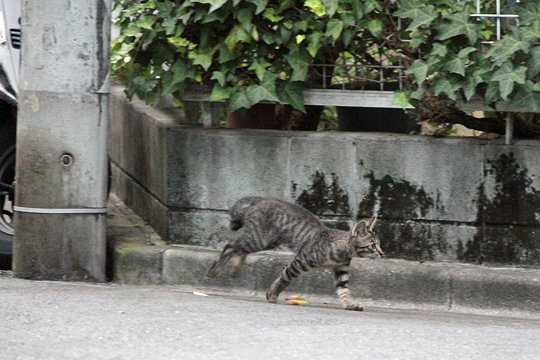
point(138, 256)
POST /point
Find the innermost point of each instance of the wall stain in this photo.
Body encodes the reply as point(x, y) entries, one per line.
point(397, 199)
point(516, 202)
point(399, 203)
point(323, 197)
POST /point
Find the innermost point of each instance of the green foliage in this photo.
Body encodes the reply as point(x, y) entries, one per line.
point(245, 51)
point(251, 51)
point(460, 56)
point(329, 120)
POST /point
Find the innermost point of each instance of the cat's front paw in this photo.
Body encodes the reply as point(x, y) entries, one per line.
point(354, 307)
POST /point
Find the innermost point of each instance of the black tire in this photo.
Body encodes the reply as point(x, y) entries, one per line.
point(7, 176)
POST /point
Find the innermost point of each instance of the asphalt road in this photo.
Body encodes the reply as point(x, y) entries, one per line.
point(53, 320)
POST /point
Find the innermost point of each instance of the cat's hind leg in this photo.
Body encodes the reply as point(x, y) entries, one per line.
point(236, 250)
point(226, 254)
point(237, 263)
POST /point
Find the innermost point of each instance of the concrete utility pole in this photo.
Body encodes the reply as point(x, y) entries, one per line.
point(61, 180)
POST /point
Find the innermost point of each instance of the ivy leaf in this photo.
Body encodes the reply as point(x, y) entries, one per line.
point(420, 15)
point(334, 28)
point(371, 5)
point(269, 81)
point(255, 34)
point(164, 8)
point(492, 94)
point(534, 62)
point(285, 34)
point(443, 85)
point(402, 98)
point(469, 88)
point(439, 50)
point(528, 33)
point(121, 50)
point(214, 4)
point(146, 21)
point(245, 18)
point(419, 69)
point(270, 15)
point(464, 53)
point(219, 16)
point(459, 24)
point(314, 43)
point(132, 30)
point(503, 49)
point(220, 93)
point(260, 4)
point(348, 36)
point(253, 94)
point(506, 76)
point(331, 6)
point(266, 91)
point(456, 66)
point(472, 81)
point(529, 13)
point(219, 77)
point(202, 59)
point(236, 35)
point(375, 27)
point(316, 7)
point(417, 94)
point(302, 25)
point(358, 11)
point(417, 41)
point(141, 86)
point(226, 55)
point(298, 60)
point(178, 73)
point(240, 100)
point(292, 93)
point(527, 98)
point(260, 67)
point(271, 38)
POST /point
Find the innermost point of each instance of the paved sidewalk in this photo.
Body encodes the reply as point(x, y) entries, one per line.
point(139, 256)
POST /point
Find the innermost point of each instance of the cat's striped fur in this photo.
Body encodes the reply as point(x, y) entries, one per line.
point(269, 223)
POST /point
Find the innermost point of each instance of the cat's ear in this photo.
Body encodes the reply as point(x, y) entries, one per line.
point(371, 223)
point(362, 225)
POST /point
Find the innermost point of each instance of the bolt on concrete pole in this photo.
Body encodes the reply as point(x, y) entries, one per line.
point(61, 180)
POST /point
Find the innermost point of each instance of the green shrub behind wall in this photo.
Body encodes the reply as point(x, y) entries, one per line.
point(246, 51)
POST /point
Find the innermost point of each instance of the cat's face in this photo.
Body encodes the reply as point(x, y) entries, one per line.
point(364, 240)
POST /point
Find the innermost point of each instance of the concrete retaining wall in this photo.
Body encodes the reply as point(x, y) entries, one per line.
point(438, 199)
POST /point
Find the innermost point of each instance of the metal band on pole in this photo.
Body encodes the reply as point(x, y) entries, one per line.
point(60, 211)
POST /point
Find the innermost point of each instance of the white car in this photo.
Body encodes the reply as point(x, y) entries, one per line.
point(10, 42)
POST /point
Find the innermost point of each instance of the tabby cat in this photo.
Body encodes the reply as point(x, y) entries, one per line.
point(269, 223)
